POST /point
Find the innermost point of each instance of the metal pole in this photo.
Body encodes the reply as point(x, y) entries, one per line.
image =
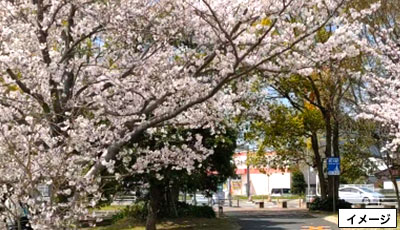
point(229, 192)
point(308, 182)
point(308, 176)
point(333, 194)
point(248, 181)
point(248, 171)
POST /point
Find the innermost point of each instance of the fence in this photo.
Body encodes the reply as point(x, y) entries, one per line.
point(211, 202)
point(124, 200)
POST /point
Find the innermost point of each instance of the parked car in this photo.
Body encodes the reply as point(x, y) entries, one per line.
point(278, 192)
point(218, 198)
point(358, 195)
point(201, 199)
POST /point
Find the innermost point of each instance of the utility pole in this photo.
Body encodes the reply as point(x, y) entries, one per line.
point(308, 181)
point(229, 192)
point(248, 181)
point(248, 171)
point(333, 194)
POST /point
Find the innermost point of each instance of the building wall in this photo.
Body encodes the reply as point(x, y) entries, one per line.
point(261, 184)
point(280, 180)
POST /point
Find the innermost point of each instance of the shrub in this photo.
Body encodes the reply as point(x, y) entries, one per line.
point(188, 210)
point(203, 212)
point(327, 204)
point(298, 185)
point(137, 211)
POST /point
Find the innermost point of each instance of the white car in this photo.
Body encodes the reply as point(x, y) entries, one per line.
point(218, 198)
point(200, 199)
point(280, 192)
point(358, 195)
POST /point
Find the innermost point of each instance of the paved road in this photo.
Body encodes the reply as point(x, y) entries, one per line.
point(279, 220)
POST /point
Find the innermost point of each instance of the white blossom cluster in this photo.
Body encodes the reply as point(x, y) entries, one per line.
point(383, 88)
point(81, 79)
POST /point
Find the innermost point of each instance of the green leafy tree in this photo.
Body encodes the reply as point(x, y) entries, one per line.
point(291, 131)
point(284, 132)
point(357, 141)
point(298, 184)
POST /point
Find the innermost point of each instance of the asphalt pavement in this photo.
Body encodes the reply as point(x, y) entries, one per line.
point(269, 219)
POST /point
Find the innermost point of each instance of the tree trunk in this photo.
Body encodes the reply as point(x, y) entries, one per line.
point(336, 153)
point(328, 149)
point(154, 195)
point(319, 163)
point(396, 188)
point(174, 198)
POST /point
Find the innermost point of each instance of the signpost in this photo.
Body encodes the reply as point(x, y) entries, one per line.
point(333, 166)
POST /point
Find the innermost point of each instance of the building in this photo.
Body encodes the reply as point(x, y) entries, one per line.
point(383, 178)
point(261, 181)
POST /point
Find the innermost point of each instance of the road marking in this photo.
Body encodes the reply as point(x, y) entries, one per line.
point(315, 227)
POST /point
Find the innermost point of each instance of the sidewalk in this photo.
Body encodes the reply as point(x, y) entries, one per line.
point(279, 219)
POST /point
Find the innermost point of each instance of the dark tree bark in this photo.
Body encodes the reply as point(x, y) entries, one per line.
point(174, 198)
point(153, 206)
point(336, 153)
point(396, 188)
point(390, 165)
point(319, 164)
point(328, 148)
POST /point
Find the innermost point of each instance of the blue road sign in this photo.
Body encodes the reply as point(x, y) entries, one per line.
point(333, 166)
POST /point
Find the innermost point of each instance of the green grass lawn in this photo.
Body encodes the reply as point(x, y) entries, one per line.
point(175, 224)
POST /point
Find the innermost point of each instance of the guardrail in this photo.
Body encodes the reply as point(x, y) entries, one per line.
point(124, 200)
point(230, 202)
point(219, 202)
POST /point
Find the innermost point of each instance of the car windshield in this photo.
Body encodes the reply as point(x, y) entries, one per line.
point(367, 190)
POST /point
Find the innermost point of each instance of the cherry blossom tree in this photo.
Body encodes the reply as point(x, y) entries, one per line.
point(83, 79)
point(383, 87)
point(382, 103)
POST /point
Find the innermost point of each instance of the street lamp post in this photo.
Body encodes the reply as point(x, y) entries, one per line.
point(248, 181)
point(308, 181)
point(229, 192)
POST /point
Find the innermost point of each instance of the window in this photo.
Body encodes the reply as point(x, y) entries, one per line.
point(276, 191)
point(353, 190)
